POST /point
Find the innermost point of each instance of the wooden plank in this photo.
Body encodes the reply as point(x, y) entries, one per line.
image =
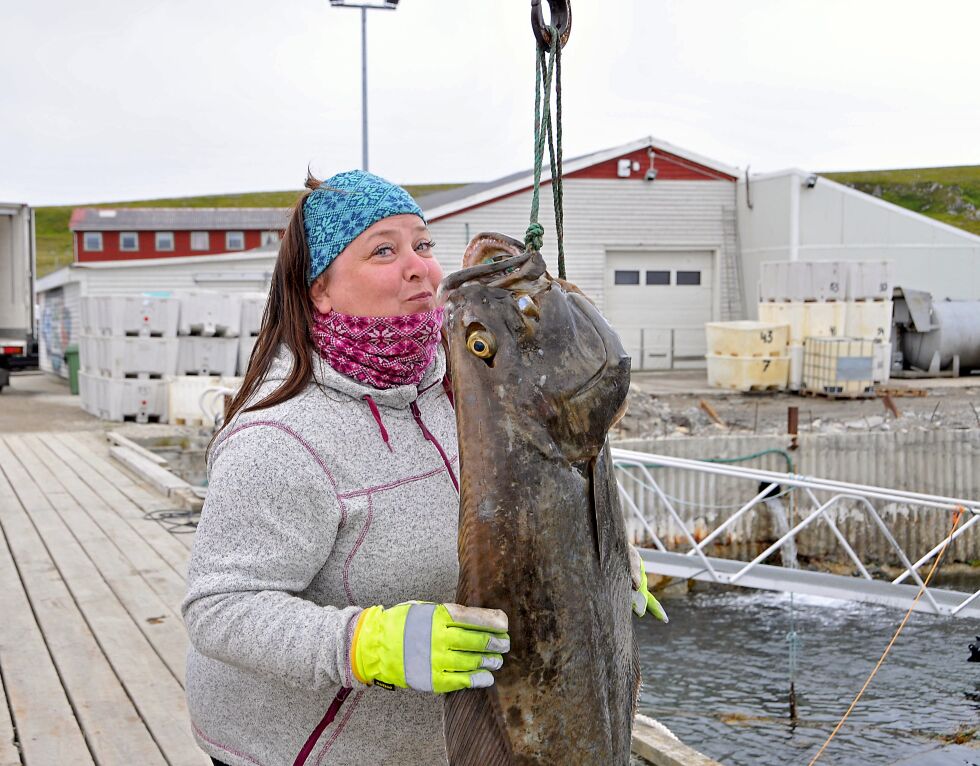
point(117, 438)
point(159, 575)
point(9, 752)
point(157, 621)
point(170, 549)
point(154, 692)
point(47, 728)
point(95, 453)
point(654, 743)
point(55, 674)
point(158, 477)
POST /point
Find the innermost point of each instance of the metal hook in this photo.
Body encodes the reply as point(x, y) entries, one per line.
point(561, 20)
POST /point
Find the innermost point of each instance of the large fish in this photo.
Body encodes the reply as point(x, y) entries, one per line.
point(539, 377)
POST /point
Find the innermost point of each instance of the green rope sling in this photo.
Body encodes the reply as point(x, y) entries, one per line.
point(548, 70)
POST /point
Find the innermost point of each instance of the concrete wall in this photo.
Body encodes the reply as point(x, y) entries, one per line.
point(835, 222)
point(932, 462)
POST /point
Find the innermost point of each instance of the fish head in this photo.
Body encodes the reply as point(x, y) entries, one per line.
point(531, 350)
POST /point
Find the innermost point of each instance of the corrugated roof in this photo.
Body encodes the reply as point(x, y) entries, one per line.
point(178, 218)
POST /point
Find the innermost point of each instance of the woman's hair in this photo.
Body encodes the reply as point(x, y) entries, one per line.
point(286, 320)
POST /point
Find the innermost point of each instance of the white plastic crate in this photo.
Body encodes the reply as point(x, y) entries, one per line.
point(824, 319)
point(131, 315)
point(802, 281)
point(870, 280)
point(245, 345)
point(89, 354)
point(89, 315)
point(748, 373)
point(792, 314)
point(210, 314)
point(746, 338)
point(839, 367)
point(184, 394)
point(806, 319)
point(199, 355)
point(129, 357)
point(869, 319)
point(795, 382)
point(143, 401)
point(882, 362)
point(253, 305)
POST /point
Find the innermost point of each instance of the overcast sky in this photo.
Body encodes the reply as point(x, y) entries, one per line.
point(133, 99)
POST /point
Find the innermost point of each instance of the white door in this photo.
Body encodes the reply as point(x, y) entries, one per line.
point(658, 302)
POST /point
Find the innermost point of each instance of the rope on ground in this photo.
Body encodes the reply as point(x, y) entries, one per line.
point(174, 520)
point(935, 564)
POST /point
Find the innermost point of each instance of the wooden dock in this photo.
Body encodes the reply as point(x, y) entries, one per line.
point(92, 645)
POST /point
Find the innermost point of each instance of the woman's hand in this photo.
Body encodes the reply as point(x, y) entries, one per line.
point(643, 600)
point(429, 647)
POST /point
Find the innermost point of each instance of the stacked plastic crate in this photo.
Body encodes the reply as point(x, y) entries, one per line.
point(809, 296)
point(127, 346)
point(747, 356)
point(207, 359)
point(869, 311)
point(828, 301)
point(253, 306)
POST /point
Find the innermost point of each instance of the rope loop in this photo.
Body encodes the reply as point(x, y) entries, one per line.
point(546, 130)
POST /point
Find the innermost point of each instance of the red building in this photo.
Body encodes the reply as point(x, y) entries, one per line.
point(102, 234)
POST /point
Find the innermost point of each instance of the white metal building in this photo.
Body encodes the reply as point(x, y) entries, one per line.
point(794, 215)
point(59, 294)
point(650, 236)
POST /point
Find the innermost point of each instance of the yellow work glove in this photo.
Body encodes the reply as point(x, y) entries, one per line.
point(643, 600)
point(429, 647)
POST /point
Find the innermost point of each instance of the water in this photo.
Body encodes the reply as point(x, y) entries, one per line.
point(717, 675)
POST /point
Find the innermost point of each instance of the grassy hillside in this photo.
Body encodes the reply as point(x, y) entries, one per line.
point(951, 195)
point(54, 248)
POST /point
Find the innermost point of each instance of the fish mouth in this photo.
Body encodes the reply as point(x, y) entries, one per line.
point(480, 272)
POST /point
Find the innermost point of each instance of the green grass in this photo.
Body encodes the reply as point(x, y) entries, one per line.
point(54, 248)
point(950, 195)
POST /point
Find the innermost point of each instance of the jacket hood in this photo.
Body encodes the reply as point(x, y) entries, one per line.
point(326, 376)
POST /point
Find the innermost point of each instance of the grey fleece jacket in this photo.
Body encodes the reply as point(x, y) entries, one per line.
point(317, 508)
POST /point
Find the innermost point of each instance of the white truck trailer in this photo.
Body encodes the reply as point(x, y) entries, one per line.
point(18, 341)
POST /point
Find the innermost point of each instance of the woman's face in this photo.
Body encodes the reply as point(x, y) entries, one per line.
point(387, 271)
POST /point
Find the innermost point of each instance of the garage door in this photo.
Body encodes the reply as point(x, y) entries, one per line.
point(659, 302)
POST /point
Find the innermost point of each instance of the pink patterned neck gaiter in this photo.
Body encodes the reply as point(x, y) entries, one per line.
point(382, 352)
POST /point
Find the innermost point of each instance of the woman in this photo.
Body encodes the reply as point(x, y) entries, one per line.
point(333, 495)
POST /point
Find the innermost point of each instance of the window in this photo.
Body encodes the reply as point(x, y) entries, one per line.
point(93, 241)
point(199, 240)
point(129, 241)
point(658, 277)
point(165, 240)
point(234, 240)
point(271, 237)
point(688, 277)
point(626, 277)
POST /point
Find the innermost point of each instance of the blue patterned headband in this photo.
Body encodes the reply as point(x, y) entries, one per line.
point(345, 205)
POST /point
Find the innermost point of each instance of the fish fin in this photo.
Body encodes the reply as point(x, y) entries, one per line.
point(474, 733)
point(595, 486)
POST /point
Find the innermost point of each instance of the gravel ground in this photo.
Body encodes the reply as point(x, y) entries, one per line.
point(669, 404)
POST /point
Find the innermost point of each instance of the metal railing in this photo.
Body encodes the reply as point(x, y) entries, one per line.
point(814, 499)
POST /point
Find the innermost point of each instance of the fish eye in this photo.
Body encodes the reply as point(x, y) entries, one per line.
point(481, 344)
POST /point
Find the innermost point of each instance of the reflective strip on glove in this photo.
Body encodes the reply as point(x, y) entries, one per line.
point(429, 647)
point(643, 600)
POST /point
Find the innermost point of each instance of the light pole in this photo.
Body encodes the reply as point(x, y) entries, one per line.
point(383, 5)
